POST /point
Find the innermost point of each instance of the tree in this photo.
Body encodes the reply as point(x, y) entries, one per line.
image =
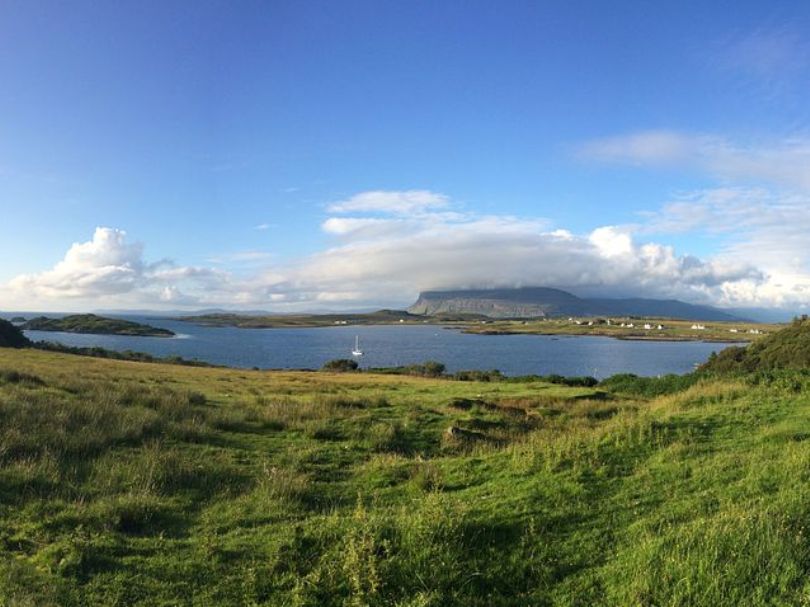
point(11, 336)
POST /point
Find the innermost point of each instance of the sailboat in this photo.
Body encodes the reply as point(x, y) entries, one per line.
point(357, 351)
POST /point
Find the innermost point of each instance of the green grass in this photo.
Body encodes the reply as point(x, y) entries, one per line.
point(131, 483)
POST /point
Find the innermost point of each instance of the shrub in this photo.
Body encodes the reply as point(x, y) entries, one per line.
point(340, 365)
point(432, 368)
point(475, 375)
point(12, 336)
point(633, 385)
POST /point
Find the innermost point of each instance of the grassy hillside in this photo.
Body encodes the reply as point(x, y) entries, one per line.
point(785, 349)
point(132, 483)
point(92, 323)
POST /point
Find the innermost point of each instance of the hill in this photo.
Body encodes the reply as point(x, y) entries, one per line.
point(788, 348)
point(144, 484)
point(531, 302)
point(91, 323)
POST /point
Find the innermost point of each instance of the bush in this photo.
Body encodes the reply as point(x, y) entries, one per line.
point(633, 385)
point(474, 375)
point(97, 352)
point(340, 365)
point(12, 336)
point(430, 368)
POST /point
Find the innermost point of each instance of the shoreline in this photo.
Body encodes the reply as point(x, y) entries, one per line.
point(662, 338)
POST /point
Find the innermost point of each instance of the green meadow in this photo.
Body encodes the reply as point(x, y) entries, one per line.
point(130, 483)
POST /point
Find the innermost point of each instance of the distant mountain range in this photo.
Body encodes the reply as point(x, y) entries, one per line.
point(533, 302)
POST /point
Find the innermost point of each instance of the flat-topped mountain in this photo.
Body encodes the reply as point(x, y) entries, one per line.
point(91, 323)
point(539, 302)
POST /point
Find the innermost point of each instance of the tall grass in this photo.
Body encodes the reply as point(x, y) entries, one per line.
point(126, 483)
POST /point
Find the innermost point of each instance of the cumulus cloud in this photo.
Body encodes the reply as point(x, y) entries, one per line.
point(759, 216)
point(754, 225)
point(392, 258)
point(107, 268)
point(385, 257)
point(105, 265)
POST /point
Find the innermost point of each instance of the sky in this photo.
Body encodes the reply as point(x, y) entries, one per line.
point(345, 155)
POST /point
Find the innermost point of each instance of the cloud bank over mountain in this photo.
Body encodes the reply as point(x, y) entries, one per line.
point(386, 246)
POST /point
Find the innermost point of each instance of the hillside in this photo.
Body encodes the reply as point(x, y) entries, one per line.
point(530, 302)
point(785, 349)
point(144, 484)
point(91, 323)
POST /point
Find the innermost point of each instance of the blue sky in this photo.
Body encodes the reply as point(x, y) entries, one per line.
point(308, 155)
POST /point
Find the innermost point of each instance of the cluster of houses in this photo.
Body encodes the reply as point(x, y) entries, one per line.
point(627, 325)
point(652, 326)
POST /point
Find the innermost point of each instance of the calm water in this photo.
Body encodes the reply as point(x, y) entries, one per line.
point(387, 345)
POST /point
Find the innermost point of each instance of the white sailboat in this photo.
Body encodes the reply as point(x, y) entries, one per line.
point(357, 351)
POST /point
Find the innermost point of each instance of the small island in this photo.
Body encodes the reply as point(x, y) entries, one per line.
point(18, 319)
point(92, 323)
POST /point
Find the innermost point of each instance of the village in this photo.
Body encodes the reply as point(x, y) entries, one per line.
point(662, 329)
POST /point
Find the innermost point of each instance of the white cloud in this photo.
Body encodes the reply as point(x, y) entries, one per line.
point(391, 260)
point(785, 163)
point(612, 241)
point(385, 259)
point(108, 269)
point(105, 265)
point(643, 148)
point(751, 225)
point(394, 202)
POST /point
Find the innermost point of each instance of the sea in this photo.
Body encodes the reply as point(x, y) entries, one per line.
point(395, 345)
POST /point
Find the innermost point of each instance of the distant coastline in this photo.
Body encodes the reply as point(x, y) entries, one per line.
point(96, 325)
point(619, 328)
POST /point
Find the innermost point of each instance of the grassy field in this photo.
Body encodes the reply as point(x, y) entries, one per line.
point(673, 330)
point(133, 483)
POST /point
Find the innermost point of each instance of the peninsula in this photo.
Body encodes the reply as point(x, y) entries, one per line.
point(92, 323)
